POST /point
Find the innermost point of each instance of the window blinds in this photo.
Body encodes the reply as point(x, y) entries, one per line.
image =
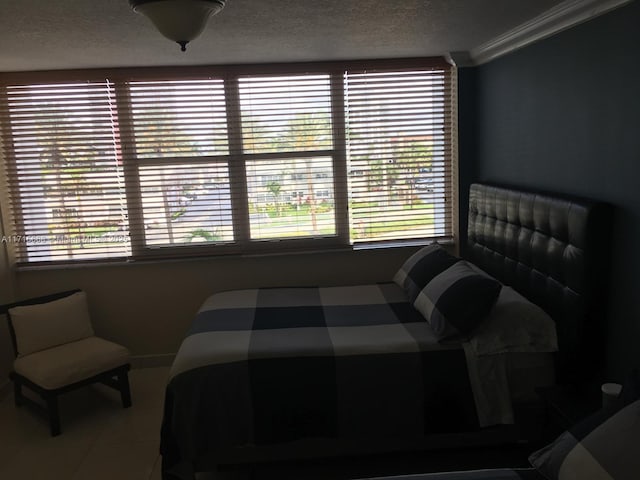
point(287, 135)
point(64, 172)
point(399, 154)
point(154, 164)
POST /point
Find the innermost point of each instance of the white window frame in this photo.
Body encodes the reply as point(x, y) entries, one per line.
point(237, 158)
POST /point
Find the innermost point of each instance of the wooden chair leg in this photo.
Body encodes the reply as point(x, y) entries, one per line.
point(17, 393)
point(125, 391)
point(54, 414)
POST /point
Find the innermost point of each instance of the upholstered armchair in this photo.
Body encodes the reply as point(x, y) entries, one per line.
point(57, 351)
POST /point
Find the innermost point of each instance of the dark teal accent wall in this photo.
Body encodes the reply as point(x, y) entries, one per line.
point(467, 144)
point(563, 115)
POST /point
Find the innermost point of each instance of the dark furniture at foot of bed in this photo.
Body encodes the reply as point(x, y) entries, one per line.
point(551, 249)
point(496, 474)
point(566, 405)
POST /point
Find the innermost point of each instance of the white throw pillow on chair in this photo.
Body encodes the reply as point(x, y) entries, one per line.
point(46, 325)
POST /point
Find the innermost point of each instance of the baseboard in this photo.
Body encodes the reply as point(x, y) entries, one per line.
point(5, 388)
point(150, 361)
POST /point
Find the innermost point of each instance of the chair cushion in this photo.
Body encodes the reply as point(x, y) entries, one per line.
point(72, 362)
point(46, 325)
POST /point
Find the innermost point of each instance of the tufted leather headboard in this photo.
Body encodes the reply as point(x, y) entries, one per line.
point(554, 250)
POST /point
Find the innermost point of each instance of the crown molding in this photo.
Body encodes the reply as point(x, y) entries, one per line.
point(561, 17)
point(460, 59)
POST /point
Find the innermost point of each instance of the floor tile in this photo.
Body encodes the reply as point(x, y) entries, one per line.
point(99, 439)
point(46, 458)
point(156, 474)
point(18, 426)
point(123, 462)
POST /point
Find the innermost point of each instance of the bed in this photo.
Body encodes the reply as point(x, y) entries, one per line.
point(354, 365)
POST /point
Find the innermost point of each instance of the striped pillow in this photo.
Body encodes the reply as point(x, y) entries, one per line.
point(457, 300)
point(420, 268)
point(606, 450)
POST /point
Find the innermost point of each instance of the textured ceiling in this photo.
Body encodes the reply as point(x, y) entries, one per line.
point(63, 34)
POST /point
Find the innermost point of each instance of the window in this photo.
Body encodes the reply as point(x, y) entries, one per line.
point(399, 150)
point(287, 132)
point(65, 173)
point(156, 163)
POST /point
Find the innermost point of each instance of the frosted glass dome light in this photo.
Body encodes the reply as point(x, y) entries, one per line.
point(178, 20)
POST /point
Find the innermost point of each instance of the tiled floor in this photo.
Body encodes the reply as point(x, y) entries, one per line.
point(101, 440)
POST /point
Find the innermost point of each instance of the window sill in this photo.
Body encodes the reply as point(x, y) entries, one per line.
point(362, 247)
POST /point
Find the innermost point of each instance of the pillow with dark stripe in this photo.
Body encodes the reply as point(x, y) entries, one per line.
point(457, 300)
point(421, 267)
point(602, 447)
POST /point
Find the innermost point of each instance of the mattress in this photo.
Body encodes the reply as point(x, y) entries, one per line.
point(268, 366)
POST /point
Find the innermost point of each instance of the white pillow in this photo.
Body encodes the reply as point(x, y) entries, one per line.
point(46, 325)
point(514, 324)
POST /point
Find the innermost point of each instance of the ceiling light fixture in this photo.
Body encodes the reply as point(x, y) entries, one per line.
point(178, 20)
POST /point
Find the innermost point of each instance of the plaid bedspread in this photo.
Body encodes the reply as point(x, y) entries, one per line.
point(270, 366)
